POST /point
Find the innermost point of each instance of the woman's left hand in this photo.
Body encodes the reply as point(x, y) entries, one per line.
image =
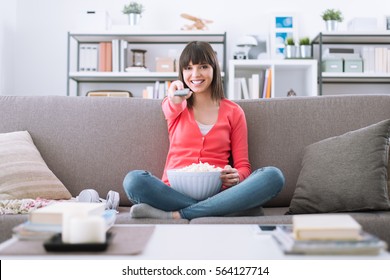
point(229, 176)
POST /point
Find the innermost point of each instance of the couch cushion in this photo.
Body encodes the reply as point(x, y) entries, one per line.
point(345, 173)
point(23, 172)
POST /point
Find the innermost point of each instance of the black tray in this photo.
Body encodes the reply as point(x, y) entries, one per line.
point(55, 244)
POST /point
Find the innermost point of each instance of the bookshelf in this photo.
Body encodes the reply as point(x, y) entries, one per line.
point(297, 74)
point(157, 44)
point(369, 80)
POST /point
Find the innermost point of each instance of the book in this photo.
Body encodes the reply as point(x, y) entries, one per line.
point(123, 55)
point(52, 214)
point(269, 84)
point(255, 86)
point(28, 231)
point(368, 244)
point(115, 55)
point(244, 87)
point(102, 57)
point(108, 57)
point(326, 227)
point(88, 60)
point(236, 94)
point(34, 231)
point(266, 82)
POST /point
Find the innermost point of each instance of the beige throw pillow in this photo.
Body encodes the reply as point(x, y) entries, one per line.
point(23, 172)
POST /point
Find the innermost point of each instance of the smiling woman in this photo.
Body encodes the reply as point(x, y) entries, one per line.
point(203, 56)
point(225, 138)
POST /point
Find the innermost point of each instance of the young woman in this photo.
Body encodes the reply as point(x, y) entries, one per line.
point(203, 126)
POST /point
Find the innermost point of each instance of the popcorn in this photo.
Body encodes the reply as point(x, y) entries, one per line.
point(200, 167)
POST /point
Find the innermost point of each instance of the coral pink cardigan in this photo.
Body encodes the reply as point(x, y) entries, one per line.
point(228, 137)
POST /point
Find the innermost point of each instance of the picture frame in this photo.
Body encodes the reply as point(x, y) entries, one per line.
point(283, 26)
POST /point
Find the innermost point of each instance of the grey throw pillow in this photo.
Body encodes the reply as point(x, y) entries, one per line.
point(345, 173)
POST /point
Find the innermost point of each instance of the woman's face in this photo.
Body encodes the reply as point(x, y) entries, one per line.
point(198, 77)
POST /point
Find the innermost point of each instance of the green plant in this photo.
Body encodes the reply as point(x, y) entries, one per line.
point(304, 41)
point(133, 8)
point(332, 14)
point(290, 41)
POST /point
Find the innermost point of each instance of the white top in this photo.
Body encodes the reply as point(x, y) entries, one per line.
point(204, 128)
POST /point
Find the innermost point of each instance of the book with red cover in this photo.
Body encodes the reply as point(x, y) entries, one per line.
point(108, 57)
point(102, 57)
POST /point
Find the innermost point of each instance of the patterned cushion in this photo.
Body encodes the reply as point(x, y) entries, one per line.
point(24, 173)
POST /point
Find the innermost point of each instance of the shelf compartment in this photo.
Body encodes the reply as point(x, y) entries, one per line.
point(355, 77)
point(297, 74)
point(151, 37)
point(352, 38)
point(159, 42)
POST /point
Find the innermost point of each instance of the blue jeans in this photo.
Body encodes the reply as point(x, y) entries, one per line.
point(262, 185)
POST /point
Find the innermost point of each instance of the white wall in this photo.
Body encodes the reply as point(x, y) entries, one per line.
point(33, 36)
point(7, 32)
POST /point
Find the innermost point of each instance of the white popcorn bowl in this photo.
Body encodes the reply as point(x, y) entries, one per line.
point(198, 185)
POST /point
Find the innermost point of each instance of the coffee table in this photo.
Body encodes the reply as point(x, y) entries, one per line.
point(198, 242)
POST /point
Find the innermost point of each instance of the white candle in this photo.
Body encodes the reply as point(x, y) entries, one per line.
point(90, 229)
point(66, 217)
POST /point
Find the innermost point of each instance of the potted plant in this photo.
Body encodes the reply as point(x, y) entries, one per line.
point(332, 17)
point(305, 47)
point(134, 11)
point(290, 49)
point(304, 41)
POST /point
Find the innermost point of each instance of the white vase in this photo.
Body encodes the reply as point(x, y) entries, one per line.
point(331, 25)
point(134, 19)
point(305, 51)
point(290, 51)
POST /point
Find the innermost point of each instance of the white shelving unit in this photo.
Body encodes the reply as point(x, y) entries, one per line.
point(300, 75)
point(364, 82)
point(156, 43)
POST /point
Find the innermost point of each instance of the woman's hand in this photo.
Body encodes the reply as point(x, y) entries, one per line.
point(229, 176)
point(177, 85)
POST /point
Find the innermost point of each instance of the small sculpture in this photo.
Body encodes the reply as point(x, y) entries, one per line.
point(199, 23)
point(291, 93)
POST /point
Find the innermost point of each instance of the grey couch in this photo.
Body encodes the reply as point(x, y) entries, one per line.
point(92, 142)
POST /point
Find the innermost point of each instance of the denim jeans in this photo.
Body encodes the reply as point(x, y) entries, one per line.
point(262, 185)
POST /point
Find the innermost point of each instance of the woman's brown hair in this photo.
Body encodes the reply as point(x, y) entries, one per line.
point(198, 52)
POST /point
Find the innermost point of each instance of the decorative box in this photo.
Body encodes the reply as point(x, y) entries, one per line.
point(332, 65)
point(165, 64)
point(353, 65)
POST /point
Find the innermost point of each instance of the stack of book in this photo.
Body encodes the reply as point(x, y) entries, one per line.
point(258, 85)
point(45, 222)
point(327, 235)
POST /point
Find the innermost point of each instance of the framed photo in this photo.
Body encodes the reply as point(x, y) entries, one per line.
point(261, 51)
point(283, 26)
